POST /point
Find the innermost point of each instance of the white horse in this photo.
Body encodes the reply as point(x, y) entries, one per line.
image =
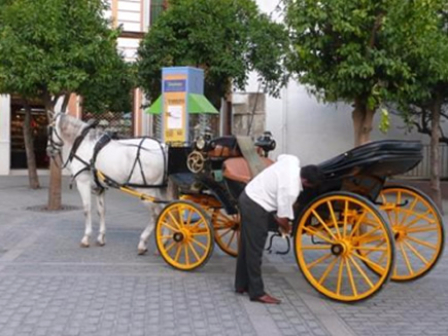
point(75, 140)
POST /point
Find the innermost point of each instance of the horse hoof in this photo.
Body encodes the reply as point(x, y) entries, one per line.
point(84, 245)
point(142, 251)
point(98, 243)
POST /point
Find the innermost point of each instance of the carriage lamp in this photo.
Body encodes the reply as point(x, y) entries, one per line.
point(200, 143)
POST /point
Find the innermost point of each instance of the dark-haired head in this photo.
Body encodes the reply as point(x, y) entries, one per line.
point(311, 176)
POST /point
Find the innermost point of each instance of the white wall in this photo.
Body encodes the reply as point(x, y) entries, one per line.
point(5, 125)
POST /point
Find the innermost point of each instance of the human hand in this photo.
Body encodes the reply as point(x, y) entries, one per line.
point(283, 223)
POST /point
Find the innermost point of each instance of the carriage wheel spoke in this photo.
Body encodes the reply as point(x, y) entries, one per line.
point(363, 274)
point(190, 213)
point(169, 227)
point(395, 209)
point(370, 262)
point(357, 224)
point(318, 234)
point(170, 246)
point(371, 248)
point(195, 253)
point(181, 217)
point(225, 232)
point(365, 235)
point(421, 242)
point(350, 276)
point(231, 239)
point(187, 257)
point(328, 270)
point(413, 250)
point(344, 231)
point(200, 233)
point(174, 219)
point(199, 244)
point(341, 268)
point(369, 222)
point(419, 217)
point(388, 217)
point(373, 239)
point(315, 247)
point(318, 261)
point(197, 224)
point(324, 224)
point(179, 249)
point(411, 208)
point(333, 216)
point(422, 229)
point(406, 259)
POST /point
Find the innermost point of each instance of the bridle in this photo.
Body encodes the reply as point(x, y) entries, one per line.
point(55, 141)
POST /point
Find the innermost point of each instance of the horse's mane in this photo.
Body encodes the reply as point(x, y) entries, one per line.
point(71, 127)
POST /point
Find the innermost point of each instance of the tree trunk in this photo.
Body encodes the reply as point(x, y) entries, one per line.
point(54, 188)
point(29, 148)
point(436, 193)
point(362, 122)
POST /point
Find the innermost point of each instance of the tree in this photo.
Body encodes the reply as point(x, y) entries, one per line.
point(422, 107)
point(226, 38)
point(110, 89)
point(50, 49)
point(346, 50)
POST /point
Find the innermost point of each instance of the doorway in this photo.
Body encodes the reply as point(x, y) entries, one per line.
point(39, 124)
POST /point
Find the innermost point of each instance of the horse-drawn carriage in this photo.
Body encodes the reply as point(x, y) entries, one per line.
point(350, 235)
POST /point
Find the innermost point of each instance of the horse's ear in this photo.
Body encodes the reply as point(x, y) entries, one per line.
point(51, 114)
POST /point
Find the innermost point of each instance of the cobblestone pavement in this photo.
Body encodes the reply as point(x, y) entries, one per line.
point(51, 286)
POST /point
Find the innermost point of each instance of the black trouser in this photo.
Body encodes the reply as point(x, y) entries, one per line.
point(254, 232)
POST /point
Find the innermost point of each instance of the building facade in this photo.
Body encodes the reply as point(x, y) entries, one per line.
point(135, 17)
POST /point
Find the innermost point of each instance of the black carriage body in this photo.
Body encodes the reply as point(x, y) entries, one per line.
point(208, 182)
point(364, 170)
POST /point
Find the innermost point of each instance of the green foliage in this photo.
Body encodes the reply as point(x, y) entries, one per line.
point(353, 50)
point(227, 38)
point(111, 88)
point(384, 121)
point(428, 59)
point(56, 47)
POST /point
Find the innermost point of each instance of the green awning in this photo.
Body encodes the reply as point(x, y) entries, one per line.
point(156, 107)
point(197, 104)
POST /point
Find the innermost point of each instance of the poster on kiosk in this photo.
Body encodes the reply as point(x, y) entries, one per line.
point(179, 83)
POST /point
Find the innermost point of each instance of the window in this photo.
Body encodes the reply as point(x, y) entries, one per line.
point(157, 8)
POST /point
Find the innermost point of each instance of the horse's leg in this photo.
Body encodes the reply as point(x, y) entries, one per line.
point(154, 212)
point(83, 185)
point(101, 240)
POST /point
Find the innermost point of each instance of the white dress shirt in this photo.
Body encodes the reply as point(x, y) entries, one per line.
point(277, 187)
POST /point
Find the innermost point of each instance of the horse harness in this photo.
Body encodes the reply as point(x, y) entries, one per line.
point(99, 145)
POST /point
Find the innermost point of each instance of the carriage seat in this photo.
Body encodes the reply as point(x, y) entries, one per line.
point(238, 170)
point(224, 147)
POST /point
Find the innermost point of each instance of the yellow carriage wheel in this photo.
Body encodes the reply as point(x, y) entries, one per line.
point(417, 227)
point(184, 235)
point(227, 231)
point(327, 247)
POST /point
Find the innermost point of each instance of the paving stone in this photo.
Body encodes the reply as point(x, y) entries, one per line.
point(53, 287)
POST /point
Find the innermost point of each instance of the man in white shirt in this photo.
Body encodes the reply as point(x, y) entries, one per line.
point(274, 190)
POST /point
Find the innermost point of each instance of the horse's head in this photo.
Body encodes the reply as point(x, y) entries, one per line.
point(55, 141)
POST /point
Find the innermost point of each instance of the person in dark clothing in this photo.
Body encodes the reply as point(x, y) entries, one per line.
point(274, 190)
